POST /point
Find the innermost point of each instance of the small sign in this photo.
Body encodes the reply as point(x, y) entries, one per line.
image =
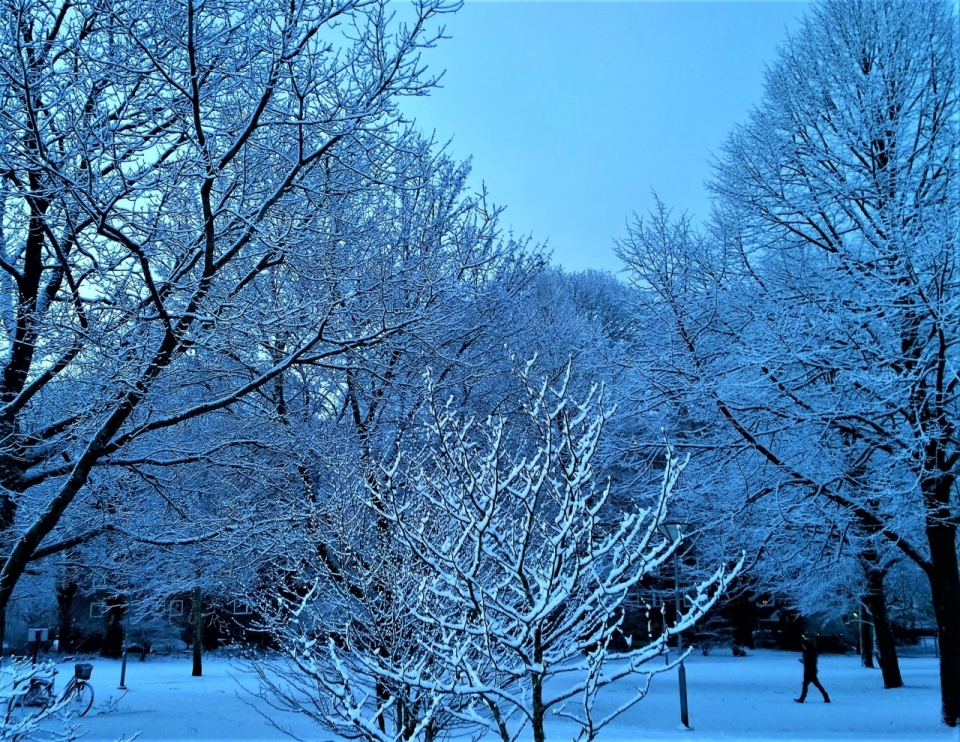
point(37, 635)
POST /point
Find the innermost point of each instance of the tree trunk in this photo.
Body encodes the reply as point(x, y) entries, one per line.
point(944, 576)
point(113, 640)
point(383, 696)
point(876, 601)
point(197, 632)
point(498, 718)
point(537, 712)
point(866, 635)
point(66, 592)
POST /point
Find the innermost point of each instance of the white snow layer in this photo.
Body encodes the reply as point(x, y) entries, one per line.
point(730, 698)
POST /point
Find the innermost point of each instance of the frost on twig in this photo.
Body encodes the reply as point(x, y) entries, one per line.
point(20, 719)
point(525, 564)
point(477, 585)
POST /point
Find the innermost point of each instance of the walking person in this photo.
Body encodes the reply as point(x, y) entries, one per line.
point(809, 648)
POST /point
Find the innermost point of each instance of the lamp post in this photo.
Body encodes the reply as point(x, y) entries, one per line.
point(674, 532)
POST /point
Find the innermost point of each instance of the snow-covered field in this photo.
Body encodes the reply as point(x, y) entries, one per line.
point(730, 699)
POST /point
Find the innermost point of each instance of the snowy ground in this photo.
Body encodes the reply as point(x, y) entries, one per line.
point(730, 699)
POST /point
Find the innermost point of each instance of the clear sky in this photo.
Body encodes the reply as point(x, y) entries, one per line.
point(574, 112)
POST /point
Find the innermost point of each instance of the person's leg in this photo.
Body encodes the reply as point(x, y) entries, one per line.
point(816, 683)
point(803, 693)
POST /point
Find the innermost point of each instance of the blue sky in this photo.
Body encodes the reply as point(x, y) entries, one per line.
point(574, 111)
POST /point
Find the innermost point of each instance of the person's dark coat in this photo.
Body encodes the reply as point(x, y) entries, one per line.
point(809, 661)
point(810, 655)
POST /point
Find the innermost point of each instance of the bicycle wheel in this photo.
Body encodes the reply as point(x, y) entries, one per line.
point(80, 699)
point(24, 705)
point(14, 709)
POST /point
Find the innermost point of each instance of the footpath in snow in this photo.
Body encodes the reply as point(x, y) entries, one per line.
point(730, 698)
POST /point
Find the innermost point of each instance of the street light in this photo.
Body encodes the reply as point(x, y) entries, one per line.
point(674, 532)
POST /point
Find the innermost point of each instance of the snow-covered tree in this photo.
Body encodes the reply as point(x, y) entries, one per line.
point(704, 370)
point(847, 177)
point(483, 562)
point(186, 200)
point(338, 606)
point(822, 327)
point(524, 565)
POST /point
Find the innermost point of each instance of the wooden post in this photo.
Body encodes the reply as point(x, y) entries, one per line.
point(197, 632)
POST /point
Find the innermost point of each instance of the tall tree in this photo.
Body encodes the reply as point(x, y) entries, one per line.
point(849, 168)
point(173, 186)
point(834, 255)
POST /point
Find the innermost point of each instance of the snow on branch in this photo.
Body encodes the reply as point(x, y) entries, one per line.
point(525, 564)
point(18, 720)
point(477, 582)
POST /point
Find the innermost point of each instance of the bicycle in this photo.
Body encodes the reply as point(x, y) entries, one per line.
point(78, 695)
